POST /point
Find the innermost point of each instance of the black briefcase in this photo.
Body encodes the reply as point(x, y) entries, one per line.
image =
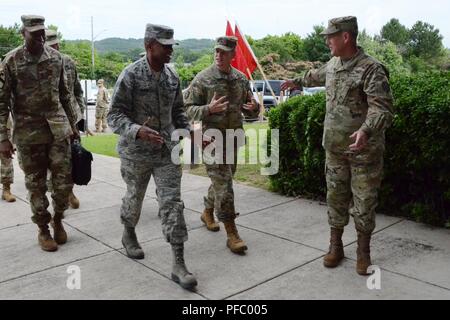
point(81, 125)
point(81, 164)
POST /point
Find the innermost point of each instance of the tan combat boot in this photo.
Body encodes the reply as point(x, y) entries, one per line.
point(208, 219)
point(363, 253)
point(45, 239)
point(98, 125)
point(73, 201)
point(59, 234)
point(7, 195)
point(336, 252)
point(234, 242)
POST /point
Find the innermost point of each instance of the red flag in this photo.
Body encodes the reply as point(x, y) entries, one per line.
point(239, 62)
point(229, 31)
point(245, 52)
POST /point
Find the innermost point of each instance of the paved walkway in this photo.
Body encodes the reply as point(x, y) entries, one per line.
point(287, 238)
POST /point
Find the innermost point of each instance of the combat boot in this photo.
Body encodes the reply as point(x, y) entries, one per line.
point(208, 219)
point(180, 273)
point(131, 244)
point(363, 253)
point(59, 234)
point(336, 252)
point(7, 195)
point(45, 239)
point(234, 242)
point(73, 201)
point(98, 125)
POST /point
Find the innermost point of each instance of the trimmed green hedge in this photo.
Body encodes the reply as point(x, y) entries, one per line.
point(417, 159)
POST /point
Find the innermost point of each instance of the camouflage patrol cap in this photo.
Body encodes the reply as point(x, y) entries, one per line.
point(335, 25)
point(226, 43)
point(160, 33)
point(33, 23)
point(51, 37)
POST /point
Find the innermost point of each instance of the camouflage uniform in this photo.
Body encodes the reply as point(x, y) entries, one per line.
point(142, 96)
point(7, 168)
point(358, 97)
point(71, 73)
point(198, 96)
point(43, 117)
point(101, 109)
point(73, 84)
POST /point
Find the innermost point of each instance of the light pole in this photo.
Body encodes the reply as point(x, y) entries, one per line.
point(93, 46)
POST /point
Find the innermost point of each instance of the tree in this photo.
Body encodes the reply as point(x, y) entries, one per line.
point(384, 51)
point(188, 72)
point(10, 38)
point(425, 41)
point(133, 54)
point(81, 53)
point(109, 66)
point(315, 47)
point(288, 46)
point(395, 32)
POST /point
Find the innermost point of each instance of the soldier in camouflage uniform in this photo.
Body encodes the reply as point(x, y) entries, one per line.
point(7, 169)
point(359, 109)
point(44, 121)
point(74, 86)
point(218, 96)
point(147, 106)
point(101, 109)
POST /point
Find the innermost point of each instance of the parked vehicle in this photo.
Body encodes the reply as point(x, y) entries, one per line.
point(306, 91)
point(90, 91)
point(311, 91)
point(260, 86)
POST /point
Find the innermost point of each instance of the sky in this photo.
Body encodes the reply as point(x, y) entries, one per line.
point(207, 19)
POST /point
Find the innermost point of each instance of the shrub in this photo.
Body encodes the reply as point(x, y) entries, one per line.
point(417, 159)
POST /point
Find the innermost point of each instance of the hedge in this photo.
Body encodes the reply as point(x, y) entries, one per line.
point(417, 160)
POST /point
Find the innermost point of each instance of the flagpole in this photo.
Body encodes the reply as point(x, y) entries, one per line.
point(260, 97)
point(267, 81)
point(258, 64)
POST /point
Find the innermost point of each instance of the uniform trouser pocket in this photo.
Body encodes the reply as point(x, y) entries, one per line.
point(337, 173)
point(136, 176)
point(221, 189)
point(35, 160)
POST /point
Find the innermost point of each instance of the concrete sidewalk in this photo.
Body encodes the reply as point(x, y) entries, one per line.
point(287, 239)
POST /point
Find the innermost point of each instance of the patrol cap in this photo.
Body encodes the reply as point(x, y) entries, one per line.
point(51, 37)
point(33, 23)
point(226, 43)
point(100, 81)
point(335, 25)
point(160, 33)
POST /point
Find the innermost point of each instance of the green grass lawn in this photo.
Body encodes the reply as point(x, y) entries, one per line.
point(247, 173)
point(101, 144)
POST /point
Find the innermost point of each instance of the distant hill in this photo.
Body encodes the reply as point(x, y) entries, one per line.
point(119, 45)
point(125, 46)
